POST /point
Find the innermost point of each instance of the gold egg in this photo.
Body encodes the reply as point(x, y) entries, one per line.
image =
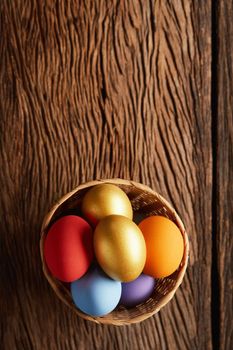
point(120, 247)
point(103, 200)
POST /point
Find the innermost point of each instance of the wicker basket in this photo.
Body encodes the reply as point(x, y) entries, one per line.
point(145, 202)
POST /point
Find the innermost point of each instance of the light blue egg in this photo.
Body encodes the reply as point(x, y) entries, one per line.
point(95, 293)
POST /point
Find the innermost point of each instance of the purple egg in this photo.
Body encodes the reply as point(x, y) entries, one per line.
point(137, 291)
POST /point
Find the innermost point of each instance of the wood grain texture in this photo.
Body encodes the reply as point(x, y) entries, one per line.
point(98, 90)
point(224, 170)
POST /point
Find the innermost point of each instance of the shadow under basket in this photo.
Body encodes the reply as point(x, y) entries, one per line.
point(145, 202)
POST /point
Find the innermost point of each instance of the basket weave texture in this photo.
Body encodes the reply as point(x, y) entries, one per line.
point(145, 202)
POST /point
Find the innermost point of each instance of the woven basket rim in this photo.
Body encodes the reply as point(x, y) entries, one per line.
point(55, 283)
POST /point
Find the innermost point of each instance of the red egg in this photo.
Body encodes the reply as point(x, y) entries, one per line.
point(68, 248)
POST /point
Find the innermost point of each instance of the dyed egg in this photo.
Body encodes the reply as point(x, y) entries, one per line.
point(95, 293)
point(68, 248)
point(103, 200)
point(165, 246)
point(137, 291)
point(120, 247)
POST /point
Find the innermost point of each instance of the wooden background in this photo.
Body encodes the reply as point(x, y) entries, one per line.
point(140, 90)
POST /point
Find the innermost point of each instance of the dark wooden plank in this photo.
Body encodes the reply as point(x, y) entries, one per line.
point(224, 170)
point(96, 90)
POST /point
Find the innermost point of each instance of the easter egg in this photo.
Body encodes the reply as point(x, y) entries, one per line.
point(165, 246)
point(68, 248)
point(137, 291)
point(120, 247)
point(103, 200)
point(95, 293)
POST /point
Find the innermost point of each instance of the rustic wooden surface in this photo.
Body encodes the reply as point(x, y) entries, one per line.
point(223, 167)
point(100, 89)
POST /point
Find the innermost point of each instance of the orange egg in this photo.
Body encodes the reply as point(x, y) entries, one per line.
point(165, 246)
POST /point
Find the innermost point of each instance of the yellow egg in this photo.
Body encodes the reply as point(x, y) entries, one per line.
point(165, 246)
point(120, 247)
point(103, 200)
